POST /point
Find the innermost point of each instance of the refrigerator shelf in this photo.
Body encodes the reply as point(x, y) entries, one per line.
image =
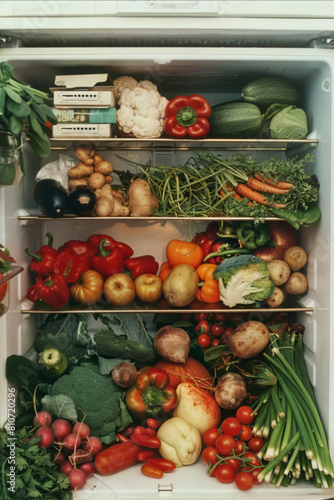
point(8, 276)
point(291, 305)
point(130, 218)
point(120, 143)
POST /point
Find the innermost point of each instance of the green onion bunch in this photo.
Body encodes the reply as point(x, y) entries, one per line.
point(288, 417)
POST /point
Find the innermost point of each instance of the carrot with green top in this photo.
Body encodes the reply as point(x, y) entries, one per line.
point(252, 195)
point(264, 188)
point(271, 182)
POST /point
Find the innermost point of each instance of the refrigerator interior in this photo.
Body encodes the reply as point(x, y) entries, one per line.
point(219, 75)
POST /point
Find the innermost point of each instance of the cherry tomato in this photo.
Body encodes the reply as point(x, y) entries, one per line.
point(226, 333)
point(204, 340)
point(255, 444)
point(246, 433)
point(244, 414)
point(221, 317)
point(217, 330)
point(231, 426)
point(151, 471)
point(252, 458)
point(162, 463)
point(202, 327)
point(239, 447)
point(210, 435)
point(200, 317)
point(186, 316)
point(255, 473)
point(224, 444)
point(235, 463)
point(209, 455)
point(215, 342)
point(225, 473)
point(244, 480)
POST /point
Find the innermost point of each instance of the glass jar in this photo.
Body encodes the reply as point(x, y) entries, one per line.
point(10, 169)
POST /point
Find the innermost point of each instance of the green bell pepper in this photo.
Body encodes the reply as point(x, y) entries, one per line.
point(252, 236)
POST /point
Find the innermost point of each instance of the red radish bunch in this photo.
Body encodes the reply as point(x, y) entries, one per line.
point(74, 447)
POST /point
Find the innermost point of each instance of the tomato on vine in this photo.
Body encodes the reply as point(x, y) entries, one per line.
point(231, 426)
point(209, 455)
point(217, 330)
point(210, 436)
point(225, 444)
point(244, 414)
point(204, 340)
point(255, 444)
point(225, 473)
point(246, 433)
point(215, 342)
point(244, 480)
point(202, 327)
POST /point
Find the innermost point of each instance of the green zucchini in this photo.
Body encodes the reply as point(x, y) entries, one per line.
point(269, 90)
point(235, 120)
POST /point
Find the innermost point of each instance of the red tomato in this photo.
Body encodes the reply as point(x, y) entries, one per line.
point(217, 330)
point(204, 340)
point(3, 290)
point(244, 480)
point(200, 317)
point(116, 458)
point(244, 414)
point(252, 458)
point(231, 426)
point(225, 444)
point(246, 433)
point(209, 455)
point(221, 317)
point(210, 435)
point(226, 333)
point(215, 342)
point(255, 473)
point(255, 444)
point(151, 471)
point(239, 447)
point(162, 463)
point(202, 327)
point(235, 463)
point(225, 473)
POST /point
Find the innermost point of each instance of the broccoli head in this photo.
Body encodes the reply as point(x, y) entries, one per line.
point(97, 399)
point(243, 280)
point(110, 345)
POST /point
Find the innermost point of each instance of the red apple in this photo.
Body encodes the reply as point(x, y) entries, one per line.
point(119, 289)
point(148, 287)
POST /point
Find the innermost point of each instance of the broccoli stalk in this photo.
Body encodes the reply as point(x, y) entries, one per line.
point(243, 280)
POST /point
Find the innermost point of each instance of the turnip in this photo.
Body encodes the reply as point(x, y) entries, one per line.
point(82, 429)
point(93, 444)
point(61, 428)
point(72, 441)
point(88, 468)
point(47, 437)
point(124, 374)
point(230, 391)
point(43, 418)
point(172, 344)
point(78, 479)
point(66, 467)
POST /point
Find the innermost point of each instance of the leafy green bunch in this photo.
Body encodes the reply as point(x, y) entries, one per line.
point(22, 109)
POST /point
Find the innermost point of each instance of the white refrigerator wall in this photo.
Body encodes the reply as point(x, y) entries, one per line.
point(219, 75)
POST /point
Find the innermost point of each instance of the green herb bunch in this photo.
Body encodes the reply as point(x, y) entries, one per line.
point(22, 110)
point(36, 475)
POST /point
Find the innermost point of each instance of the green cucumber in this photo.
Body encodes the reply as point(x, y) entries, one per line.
point(270, 90)
point(235, 120)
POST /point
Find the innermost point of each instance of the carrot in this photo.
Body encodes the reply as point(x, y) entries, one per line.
point(278, 184)
point(264, 188)
point(235, 195)
point(249, 193)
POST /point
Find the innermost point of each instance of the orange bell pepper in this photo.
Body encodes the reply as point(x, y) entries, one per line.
point(165, 269)
point(209, 291)
point(184, 252)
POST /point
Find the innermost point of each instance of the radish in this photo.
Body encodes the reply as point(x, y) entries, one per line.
point(59, 458)
point(72, 441)
point(47, 437)
point(92, 444)
point(66, 467)
point(78, 479)
point(61, 428)
point(82, 429)
point(42, 419)
point(88, 468)
point(80, 456)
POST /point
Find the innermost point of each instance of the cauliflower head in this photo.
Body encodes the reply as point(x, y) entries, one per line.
point(142, 111)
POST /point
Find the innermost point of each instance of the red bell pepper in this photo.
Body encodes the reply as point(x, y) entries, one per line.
point(79, 247)
point(108, 262)
point(187, 116)
point(145, 264)
point(71, 265)
point(42, 261)
point(53, 291)
point(95, 240)
point(151, 395)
